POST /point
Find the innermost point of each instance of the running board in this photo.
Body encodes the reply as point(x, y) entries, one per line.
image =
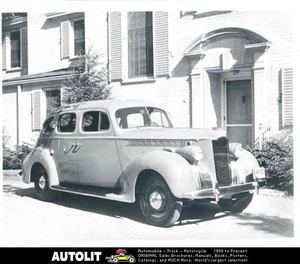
point(93, 193)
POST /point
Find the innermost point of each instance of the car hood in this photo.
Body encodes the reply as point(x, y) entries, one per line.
point(172, 133)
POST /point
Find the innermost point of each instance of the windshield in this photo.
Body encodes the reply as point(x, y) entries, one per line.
point(135, 117)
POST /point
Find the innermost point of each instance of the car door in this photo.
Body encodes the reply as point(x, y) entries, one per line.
point(97, 155)
point(64, 155)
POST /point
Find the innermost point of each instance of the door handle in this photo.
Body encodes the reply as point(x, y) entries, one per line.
point(68, 149)
point(77, 147)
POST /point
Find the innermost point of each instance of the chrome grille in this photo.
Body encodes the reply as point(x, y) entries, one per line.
point(221, 156)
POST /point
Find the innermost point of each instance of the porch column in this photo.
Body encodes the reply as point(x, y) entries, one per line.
point(196, 95)
point(19, 104)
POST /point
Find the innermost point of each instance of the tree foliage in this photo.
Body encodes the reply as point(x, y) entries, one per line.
point(88, 81)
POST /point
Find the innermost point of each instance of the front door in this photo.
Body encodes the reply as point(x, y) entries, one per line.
point(239, 111)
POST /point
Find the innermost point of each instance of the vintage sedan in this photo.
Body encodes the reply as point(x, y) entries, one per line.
point(128, 151)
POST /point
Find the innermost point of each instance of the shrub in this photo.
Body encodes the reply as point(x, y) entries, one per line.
point(13, 159)
point(277, 159)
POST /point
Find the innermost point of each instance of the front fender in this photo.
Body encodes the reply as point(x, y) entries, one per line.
point(243, 167)
point(173, 168)
point(42, 156)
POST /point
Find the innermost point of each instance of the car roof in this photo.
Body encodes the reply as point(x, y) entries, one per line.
point(110, 105)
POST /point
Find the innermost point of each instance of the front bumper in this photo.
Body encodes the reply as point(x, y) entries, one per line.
point(219, 192)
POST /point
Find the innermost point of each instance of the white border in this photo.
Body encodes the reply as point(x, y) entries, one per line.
point(170, 5)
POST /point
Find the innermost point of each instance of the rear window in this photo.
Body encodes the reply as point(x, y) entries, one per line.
point(66, 122)
point(49, 125)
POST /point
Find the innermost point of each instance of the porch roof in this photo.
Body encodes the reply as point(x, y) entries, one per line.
point(38, 77)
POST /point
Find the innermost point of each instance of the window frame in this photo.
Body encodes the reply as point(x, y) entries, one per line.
point(109, 130)
point(125, 69)
point(71, 37)
point(73, 46)
point(11, 50)
point(8, 62)
point(149, 48)
point(47, 89)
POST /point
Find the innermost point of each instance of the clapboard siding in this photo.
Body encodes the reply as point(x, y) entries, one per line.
point(115, 46)
point(161, 43)
point(287, 92)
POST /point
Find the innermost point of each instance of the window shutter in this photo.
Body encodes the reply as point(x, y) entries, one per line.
point(115, 45)
point(24, 62)
point(161, 43)
point(287, 96)
point(36, 110)
point(65, 39)
point(4, 52)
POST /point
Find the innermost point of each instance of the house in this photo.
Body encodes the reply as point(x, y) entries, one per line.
point(38, 51)
point(226, 69)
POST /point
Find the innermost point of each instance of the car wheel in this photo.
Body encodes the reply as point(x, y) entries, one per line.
point(41, 185)
point(132, 260)
point(237, 203)
point(158, 205)
point(115, 260)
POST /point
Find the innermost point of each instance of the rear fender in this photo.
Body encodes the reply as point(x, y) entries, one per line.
point(173, 168)
point(42, 156)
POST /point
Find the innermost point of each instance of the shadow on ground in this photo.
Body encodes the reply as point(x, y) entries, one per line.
point(269, 224)
point(9, 189)
point(193, 214)
point(203, 212)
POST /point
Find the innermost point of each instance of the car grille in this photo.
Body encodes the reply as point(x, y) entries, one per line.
point(221, 156)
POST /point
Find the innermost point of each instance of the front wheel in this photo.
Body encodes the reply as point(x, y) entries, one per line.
point(41, 185)
point(158, 205)
point(237, 203)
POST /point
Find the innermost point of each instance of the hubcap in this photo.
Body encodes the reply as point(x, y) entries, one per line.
point(156, 200)
point(42, 182)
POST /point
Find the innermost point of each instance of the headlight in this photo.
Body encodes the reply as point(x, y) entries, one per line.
point(197, 153)
point(192, 153)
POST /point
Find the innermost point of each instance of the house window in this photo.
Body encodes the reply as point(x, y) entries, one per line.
point(140, 44)
point(53, 100)
point(79, 40)
point(15, 49)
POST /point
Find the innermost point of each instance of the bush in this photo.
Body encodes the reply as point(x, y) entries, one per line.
point(277, 159)
point(13, 159)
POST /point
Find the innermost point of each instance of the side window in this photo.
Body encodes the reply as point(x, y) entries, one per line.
point(49, 125)
point(104, 125)
point(66, 122)
point(94, 121)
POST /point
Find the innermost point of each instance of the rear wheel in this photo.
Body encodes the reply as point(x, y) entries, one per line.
point(238, 202)
point(158, 205)
point(41, 185)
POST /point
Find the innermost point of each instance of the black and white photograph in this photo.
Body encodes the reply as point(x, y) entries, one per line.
point(165, 123)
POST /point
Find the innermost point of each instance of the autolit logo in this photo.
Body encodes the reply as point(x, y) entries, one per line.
point(121, 256)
